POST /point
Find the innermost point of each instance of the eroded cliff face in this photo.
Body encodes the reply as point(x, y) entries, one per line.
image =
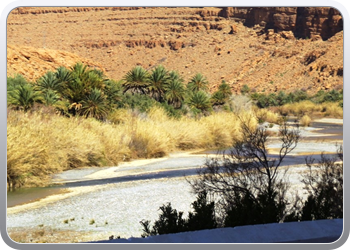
point(304, 22)
point(243, 46)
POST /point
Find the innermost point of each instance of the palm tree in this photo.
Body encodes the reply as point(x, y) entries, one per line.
point(218, 98)
point(51, 98)
point(63, 75)
point(199, 100)
point(114, 92)
point(157, 82)
point(24, 97)
point(197, 83)
point(222, 94)
point(78, 70)
point(225, 89)
point(94, 105)
point(174, 75)
point(14, 82)
point(175, 93)
point(80, 82)
point(136, 80)
point(49, 81)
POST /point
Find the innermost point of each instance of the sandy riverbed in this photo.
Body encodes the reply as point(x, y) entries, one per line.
point(117, 208)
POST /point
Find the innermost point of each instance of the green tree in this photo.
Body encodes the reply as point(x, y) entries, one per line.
point(23, 97)
point(64, 75)
point(136, 81)
point(16, 81)
point(175, 93)
point(197, 83)
point(114, 93)
point(157, 83)
point(199, 100)
point(49, 81)
point(245, 89)
point(94, 105)
point(222, 95)
point(225, 89)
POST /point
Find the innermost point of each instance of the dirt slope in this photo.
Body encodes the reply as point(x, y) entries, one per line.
point(34, 62)
point(189, 40)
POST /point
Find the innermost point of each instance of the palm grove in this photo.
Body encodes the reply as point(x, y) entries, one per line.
point(244, 187)
point(87, 92)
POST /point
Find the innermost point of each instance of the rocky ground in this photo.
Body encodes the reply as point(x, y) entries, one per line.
point(189, 40)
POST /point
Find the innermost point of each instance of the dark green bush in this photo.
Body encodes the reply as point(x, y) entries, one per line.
point(171, 221)
point(324, 182)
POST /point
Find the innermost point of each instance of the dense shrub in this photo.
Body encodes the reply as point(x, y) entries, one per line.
point(324, 183)
point(171, 221)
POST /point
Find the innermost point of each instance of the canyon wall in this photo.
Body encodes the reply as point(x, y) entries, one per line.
point(304, 22)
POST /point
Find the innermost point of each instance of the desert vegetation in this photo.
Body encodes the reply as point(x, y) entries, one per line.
point(247, 187)
point(75, 117)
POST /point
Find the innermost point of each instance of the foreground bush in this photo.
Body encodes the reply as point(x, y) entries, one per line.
point(171, 221)
point(324, 183)
point(249, 186)
point(246, 188)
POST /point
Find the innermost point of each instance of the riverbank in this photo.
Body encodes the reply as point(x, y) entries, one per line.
point(131, 192)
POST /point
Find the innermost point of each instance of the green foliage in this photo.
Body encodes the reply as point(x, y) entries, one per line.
point(49, 82)
point(324, 182)
point(199, 100)
point(136, 81)
point(171, 221)
point(23, 97)
point(114, 93)
point(175, 92)
point(197, 83)
point(269, 100)
point(265, 101)
point(222, 95)
point(245, 89)
point(139, 102)
point(94, 105)
point(157, 82)
point(83, 81)
point(16, 81)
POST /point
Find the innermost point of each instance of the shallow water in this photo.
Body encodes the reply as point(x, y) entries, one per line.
point(174, 166)
point(24, 195)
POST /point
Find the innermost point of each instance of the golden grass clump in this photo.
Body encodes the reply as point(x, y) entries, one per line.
point(120, 116)
point(148, 140)
point(309, 108)
point(39, 144)
point(266, 115)
point(305, 121)
point(332, 109)
point(300, 108)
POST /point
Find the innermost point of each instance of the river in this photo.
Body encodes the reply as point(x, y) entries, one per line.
point(113, 200)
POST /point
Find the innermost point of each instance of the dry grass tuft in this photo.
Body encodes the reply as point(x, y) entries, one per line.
point(305, 121)
point(40, 145)
point(309, 108)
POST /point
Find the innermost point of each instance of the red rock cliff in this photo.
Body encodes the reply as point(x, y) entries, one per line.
point(304, 22)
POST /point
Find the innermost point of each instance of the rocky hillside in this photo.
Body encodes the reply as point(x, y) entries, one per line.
point(268, 49)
